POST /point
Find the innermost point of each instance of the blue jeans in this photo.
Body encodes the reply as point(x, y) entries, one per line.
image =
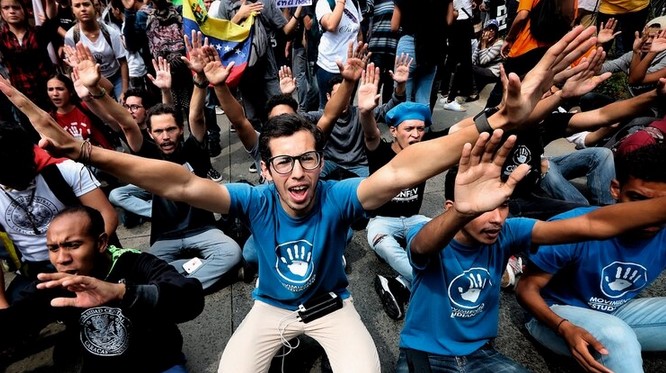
point(218, 252)
point(595, 163)
point(420, 79)
point(180, 368)
point(133, 199)
point(330, 166)
point(639, 325)
point(307, 92)
point(485, 359)
point(383, 235)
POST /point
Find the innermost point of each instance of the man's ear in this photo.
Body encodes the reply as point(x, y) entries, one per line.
point(102, 242)
point(448, 204)
point(266, 172)
point(615, 189)
point(150, 133)
point(393, 130)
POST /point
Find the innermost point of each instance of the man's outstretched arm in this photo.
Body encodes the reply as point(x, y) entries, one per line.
point(421, 161)
point(163, 178)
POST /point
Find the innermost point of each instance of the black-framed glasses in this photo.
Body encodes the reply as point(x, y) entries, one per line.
point(132, 108)
point(284, 164)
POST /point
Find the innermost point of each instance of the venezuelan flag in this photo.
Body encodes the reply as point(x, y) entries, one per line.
point(233, 42)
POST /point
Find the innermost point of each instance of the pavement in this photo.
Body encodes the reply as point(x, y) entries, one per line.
point(206, 336)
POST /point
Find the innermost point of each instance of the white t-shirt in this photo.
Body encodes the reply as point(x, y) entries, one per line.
point(135, 65)
point(105, 55)
point(464, 8)
point(44, 206)
point(333, 45)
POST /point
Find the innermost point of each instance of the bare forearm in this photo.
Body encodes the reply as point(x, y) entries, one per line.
point(333, 20)
point(371, 133)
point(335, 106)
point(529, 296)
point(437, 234)
point(196, 117)
point(603, 223)
point(613, 112)
point(124, 75)
point(112, 112)
point(639, 66)
point(236, 116)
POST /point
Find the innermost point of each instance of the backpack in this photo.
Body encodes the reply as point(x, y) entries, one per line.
point(654, 133)
point(548, 23)
point(259, 36)
point(164, 30)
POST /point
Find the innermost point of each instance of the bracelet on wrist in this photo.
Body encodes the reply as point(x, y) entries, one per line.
point(101, 94)
point(557, 329)
point(202, 84)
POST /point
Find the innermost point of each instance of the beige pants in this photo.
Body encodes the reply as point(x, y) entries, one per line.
point(342, 334)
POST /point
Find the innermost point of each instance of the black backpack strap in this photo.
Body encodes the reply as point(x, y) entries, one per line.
point(59, 186)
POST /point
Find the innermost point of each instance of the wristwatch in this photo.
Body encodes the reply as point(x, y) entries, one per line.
point(481, 120)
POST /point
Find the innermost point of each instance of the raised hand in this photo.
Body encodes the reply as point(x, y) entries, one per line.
point(81, 90)
point(580, 341)
point(522, 96)
point(659, 42)
point(587, 79)
point(368, 99)
point(247, 8)
point(90, 292)
point(87, 69)
point(402, 64)
point(607, 31)
point(287, 80)
point(357, 59)
point(162, 78)
point(195, 62)
point(214, 71)
point(478, 185)
point(639, 40)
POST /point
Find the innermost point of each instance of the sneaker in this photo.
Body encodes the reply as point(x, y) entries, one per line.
point(391, 292)
point(253, 168)
point(513, 270)
point(131, 220)
point(472, 97)
point(214, 175)
point(219, 111)
point(453, 106)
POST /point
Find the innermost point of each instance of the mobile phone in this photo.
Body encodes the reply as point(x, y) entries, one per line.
point(192, 265)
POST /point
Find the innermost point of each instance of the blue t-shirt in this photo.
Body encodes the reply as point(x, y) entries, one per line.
point(454, 308)
point(600, 275)
point(298, 257)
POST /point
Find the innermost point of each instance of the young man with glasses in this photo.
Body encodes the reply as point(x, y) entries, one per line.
point(300, 223)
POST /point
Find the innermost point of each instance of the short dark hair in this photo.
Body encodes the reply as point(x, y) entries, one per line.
point(142, 94)
point(336, 79)
point(160, 109)
point(287, 125)
point(18, 168)
point(282, 99)
point(96, 226)
point(647, 163)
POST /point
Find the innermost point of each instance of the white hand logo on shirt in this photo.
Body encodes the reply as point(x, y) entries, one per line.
point(476, 284)
point(623, 278)
point(298, 260)
point(75, 131)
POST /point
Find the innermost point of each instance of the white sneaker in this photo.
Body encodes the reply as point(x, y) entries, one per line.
point(453, 106)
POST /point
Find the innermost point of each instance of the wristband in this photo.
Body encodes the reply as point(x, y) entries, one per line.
point(101, 94)
point(202, 85)
point(557, 330)
point(481, 120)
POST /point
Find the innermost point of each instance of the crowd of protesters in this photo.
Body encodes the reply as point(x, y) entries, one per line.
point(109, 113)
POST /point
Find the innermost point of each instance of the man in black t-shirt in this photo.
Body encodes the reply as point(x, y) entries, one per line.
point(182, 235)
point(388, 227)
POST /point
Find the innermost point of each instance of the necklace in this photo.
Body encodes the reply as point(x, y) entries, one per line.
point(27, 209)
